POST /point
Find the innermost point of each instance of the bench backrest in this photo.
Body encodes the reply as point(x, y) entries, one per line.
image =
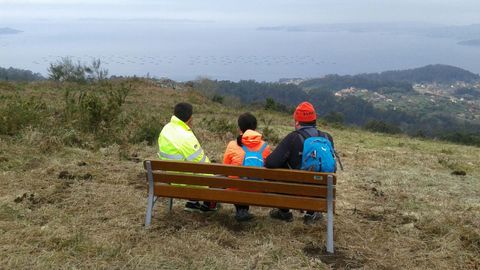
point(277, 188)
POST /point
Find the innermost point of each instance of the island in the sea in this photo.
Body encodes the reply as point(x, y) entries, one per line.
point(472, 42)
point(7, 30)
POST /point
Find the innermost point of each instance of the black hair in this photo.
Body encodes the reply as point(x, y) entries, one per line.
point(311, 123)
point(183, 111)
point(246, 121)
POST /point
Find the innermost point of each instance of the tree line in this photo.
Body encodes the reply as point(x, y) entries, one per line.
point(19, 75)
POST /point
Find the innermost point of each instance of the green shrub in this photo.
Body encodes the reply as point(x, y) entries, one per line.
point(147, 131)
point(334, 117)
point(220, 125)
point(420, 134)
point(268, 132)
point(218, 99)
point(272, 105)
point(98, 112)
point(382, 127)
point(463, 138)
point(93, 111)
point(65, 70)
point(270, 135)
point(19, 113)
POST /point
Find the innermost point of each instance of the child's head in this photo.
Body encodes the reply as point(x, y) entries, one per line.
point(247, 121)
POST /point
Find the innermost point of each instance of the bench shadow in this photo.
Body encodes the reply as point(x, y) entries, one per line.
point(227, 221)
point(225, 218)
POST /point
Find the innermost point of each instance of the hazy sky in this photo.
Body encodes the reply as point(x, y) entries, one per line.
point(248, 12)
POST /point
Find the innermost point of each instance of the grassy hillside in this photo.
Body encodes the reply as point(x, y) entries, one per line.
point(73, 191)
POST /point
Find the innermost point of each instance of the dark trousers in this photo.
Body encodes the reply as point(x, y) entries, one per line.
point(240, 206)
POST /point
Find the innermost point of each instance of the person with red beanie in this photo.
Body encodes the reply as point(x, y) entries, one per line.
point(288, 153)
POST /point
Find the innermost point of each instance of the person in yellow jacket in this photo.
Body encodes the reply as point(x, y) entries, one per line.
point(177, 142)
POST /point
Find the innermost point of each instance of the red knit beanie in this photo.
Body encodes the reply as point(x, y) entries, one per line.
point(305, 113)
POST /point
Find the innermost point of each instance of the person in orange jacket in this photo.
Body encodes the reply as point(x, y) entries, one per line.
point(235, 154)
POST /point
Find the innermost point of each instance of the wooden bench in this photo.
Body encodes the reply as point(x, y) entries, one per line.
point(292, 189)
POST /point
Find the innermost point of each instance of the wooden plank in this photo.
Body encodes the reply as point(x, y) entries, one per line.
point(296, 176)
point(243, 184)
point(241, 197)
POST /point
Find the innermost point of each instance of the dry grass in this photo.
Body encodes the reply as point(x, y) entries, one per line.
point(399, 206)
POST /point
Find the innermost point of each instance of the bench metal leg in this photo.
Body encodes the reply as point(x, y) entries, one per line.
point(151, 198)
point(148, 218)
point(170, 204)
point(330, 214)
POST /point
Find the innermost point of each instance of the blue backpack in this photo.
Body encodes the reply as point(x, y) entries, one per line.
point(252, 158)
point(318, 153)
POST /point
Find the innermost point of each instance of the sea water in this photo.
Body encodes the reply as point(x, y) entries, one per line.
point(191, 50)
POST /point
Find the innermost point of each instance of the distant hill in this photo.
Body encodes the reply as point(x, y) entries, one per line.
point(472, 42)
point(433, 108)
point(7, 30)
point(252, 92)
point(393, 81)
point(336, 82)
point(455, 32)
point(427, 74)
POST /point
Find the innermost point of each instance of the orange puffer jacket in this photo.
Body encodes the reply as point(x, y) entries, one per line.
point(234, 154)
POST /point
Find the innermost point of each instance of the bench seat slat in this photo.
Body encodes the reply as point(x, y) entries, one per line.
point(241, 197)
point(296, 176)
point(243, 184)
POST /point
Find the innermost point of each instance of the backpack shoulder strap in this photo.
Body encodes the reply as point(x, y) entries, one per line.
point(323, 134)
point(259, 151)
point(263, 147)
point(302, 136)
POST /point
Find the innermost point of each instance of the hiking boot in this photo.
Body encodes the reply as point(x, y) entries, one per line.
point(309, 219)
point(243, 215)
point(193, 207)
point(209, 206)
point(281, 215)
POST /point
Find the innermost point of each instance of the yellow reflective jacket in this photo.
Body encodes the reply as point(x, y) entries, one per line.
point(177, 142)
